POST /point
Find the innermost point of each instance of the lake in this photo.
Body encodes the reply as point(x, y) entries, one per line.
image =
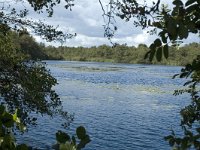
point(122, 106)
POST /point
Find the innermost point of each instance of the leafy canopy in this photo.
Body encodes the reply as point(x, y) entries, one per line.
point(172, 22)
point(26, 84)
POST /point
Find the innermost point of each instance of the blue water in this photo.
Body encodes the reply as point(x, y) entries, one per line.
point(122, 106)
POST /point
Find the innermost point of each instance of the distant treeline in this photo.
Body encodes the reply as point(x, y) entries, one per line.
point(103, 53)
point(122, 54)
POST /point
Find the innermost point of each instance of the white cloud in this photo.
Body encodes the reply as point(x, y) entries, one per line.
point(141, 38)
point(86, 20)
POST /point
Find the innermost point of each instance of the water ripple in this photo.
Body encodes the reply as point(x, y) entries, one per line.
point(122, 106)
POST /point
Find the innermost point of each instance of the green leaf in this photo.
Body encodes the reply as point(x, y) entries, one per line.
point(174, 76)
point(162, 35)
point(189, 2)
point(62, 137)
point(164, 39)
point(81, 132)
point(83, 142)
point(178, 3)
point(186, 83)
point(152, 51)
point(15, 118)
point(192, 8)
point(149, 22)
point(166, 51)
point(191, 27)
point(7, 120)
point(122, 16)
point(182, 31)
point(67, 146)
point(172, 27)
point(178, 141)
point(159, 54)
point(184, 74)
point(171, 142)
point(169, 137)
point(157, 42)
point(8, 142)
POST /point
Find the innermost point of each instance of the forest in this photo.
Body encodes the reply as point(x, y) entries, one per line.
point(178, 56)
point(27, 86)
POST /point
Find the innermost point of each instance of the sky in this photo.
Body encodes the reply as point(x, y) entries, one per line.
point(87, 22)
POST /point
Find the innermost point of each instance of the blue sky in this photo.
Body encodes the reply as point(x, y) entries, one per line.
point(87, 22)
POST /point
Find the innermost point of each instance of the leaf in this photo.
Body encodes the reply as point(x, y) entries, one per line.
point(8, 142)
point(182, 31)
point(149, 22)
point(192, 8)
point(164, 39)
point(152, 51)
point(157, 24)
point(175, 76)
point(21, 127)
point(166, 51)
point(178, 3)
point(191, 27)
point(122, 16)
point(157, 42)
point(7, 120)
point(15, 118)
point(81, 132)
point(67, 146)
point(172, 27)
point(171, 142)
point(62, 137)
point(159, 54)
point(189, 2)
point(83, 142)
point(168, 137)
point(184, 74)
point(178, 141)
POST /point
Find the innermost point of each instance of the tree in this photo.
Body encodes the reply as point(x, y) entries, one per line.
point(25, 84)
point(172, 23)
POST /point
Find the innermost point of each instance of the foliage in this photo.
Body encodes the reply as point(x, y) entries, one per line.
point(190, 114)
point(172, 25)
point(7, 122)
point(26, 84)
point(8, 142)
point(65, 142)
point(11, 18)
point(122, 54)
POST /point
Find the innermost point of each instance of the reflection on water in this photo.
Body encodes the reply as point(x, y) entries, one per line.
point(122, 106)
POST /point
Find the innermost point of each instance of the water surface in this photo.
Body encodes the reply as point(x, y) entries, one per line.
point(123, 106)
